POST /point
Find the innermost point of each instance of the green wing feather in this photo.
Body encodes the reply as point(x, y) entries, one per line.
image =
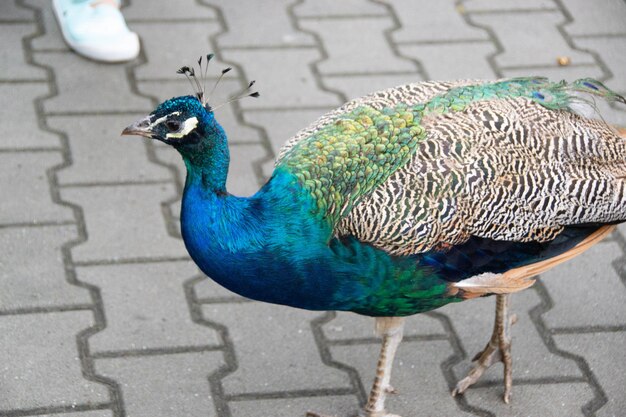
point(350, 157)
point(346, 160)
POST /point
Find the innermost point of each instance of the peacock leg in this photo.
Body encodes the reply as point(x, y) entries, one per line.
point(498, 349)
point(391, 329)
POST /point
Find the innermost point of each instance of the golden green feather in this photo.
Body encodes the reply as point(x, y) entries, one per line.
point(350, 157)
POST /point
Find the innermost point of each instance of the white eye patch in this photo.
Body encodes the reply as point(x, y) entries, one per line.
point(188, 125)
point(162, 119)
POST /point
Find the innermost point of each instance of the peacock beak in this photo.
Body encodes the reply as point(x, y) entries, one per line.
point(141, 127)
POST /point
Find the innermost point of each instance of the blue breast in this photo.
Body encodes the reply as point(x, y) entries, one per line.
point(265, 247)
point(271, 248)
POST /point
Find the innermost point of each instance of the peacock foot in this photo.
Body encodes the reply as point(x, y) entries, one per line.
point(391, 390)
point(498, 349)
point(367, 414)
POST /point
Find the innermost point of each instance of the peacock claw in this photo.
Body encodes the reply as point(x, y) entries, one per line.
point(370, 414)
point(391, 390)
point(378, 414)
point(312, 414)
point(498, 349)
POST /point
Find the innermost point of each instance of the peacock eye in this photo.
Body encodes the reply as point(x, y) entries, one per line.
point(172, 125)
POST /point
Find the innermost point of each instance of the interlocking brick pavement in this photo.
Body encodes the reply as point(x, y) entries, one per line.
point(102, 314)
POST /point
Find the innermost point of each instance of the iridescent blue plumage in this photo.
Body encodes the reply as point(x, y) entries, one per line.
point(273, 246)
point(404, 201)
point(276, 246)
point(268, 247)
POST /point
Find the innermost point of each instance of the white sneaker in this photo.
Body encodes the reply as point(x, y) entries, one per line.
point(96, 29)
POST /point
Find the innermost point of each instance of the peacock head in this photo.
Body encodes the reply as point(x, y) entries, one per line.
point(188, 123)
point(180, 121)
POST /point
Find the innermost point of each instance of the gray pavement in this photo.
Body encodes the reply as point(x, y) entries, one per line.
point(102, 314)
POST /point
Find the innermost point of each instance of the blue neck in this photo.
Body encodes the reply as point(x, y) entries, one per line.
point(265, 247)
point(230, 223)
point(207, 164)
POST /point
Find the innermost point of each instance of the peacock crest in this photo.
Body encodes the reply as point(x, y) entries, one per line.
point(199, 85)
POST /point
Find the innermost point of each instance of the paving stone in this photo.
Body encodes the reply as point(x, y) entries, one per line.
point(9, 11)
point(619, 233)
point(124, 223)
point(17, 105)
point(135, 321)
point(282, 125)
point(92, 87)
point(354, 86)
point(32, 271)
point(612, 51)
point(13, 64)
point(603, 352)
point(99, 413)
point(563, 400)
point(271, 342)
point(100, 155)
point(530, 39)
point(40, 364)
point(251, 29)
point(289, 85)
point(173, 218)
point(226, 115)
point(130, 223)
point(347, 326)
point(557, 73)
point(25, 179)
point(267, 169)
point(323, 8)
point(473, 322)
point(432, 20)
point(210, 291)
point(168, 50)
point(587, 292)
point(604, 17)
point(422, 387)
point(164, 386)
point(242, 178)
point(139, 10)
point(344, 44)
point(51, 39)
point(453, 61)
point(168, 155)
point(614, 114)
point(506, 5)
point(344, 405)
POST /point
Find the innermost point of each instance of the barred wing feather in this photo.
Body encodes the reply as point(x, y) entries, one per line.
point(501, 169)
point(506, 161)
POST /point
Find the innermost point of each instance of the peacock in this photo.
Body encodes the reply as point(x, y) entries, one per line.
point(405, 200)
